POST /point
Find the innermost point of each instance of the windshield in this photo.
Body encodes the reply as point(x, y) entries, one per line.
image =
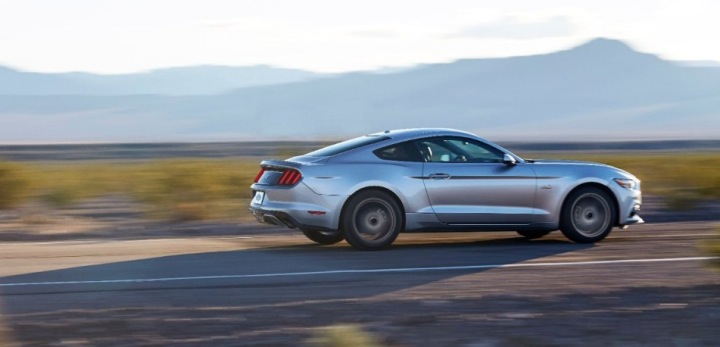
point(347, 145)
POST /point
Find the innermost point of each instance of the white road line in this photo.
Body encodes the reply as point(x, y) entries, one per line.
point(361, 271)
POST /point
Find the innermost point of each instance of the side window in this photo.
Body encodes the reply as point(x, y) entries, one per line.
point(406, 151)
point(458, 150)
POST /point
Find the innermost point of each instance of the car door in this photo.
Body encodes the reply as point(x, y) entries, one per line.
point(468, 183)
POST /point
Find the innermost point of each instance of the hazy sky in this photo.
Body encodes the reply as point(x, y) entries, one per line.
point(112, 36)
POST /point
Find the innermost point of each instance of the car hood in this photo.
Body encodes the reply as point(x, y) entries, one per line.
point(560, 161)
point(552, 162)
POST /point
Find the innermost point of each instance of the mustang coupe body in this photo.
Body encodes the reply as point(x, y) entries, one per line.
point(368, 189)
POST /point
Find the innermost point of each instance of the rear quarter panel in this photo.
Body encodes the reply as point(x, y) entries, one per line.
point(345, 178)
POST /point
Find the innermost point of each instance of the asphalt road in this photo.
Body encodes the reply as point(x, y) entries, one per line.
point(648, 285)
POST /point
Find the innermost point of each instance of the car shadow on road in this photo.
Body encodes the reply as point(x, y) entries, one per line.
point(271, 276)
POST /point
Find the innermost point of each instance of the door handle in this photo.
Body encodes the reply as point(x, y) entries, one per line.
point(439, 176)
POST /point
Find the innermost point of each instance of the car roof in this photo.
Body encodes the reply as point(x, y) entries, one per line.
point(406, 134)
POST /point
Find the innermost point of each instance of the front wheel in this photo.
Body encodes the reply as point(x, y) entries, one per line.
point(323, 237)
point(587, 215)
point(371, 220)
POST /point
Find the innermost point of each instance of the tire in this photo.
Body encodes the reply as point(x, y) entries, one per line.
point(323, 237)
point(588, 215)
point(371, 220)
point(532, 234)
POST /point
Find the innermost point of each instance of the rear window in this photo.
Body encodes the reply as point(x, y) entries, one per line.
point(405, 151)
point(347, 145)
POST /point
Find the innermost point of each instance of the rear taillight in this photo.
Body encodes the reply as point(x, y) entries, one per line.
point(290, 177)
point(257, 178)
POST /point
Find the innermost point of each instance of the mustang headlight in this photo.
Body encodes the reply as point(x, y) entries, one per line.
point(626, 183)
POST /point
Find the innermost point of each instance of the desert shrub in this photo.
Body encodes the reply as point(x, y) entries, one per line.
point(13, 184)
point(63, 184)
point(183, 190)
point(60, 197)
point(343, 335)
point(195, 189)
point(681, 200)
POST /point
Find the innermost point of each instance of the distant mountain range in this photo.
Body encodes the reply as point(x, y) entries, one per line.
point(191, 80)
point(601, 90)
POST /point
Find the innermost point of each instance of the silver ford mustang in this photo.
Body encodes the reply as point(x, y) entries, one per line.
point(368, 189)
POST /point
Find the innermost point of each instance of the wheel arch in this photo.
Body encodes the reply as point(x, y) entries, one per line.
point(602, 187)
point(372, 188)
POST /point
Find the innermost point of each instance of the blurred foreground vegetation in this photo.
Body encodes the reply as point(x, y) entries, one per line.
point(343, 335)
point(198, 189)
point(192, 189)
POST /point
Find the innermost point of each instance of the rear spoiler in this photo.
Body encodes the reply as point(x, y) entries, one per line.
point(280, 164)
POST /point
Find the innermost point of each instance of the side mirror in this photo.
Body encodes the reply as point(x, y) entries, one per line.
point(509, 160)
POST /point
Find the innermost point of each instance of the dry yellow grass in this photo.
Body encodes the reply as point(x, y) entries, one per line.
point(178, 189)
point(343, 335)
point(190, 189)
point(13, 183)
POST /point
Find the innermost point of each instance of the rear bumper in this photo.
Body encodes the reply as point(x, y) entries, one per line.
point(296, 207)
point(282, 219)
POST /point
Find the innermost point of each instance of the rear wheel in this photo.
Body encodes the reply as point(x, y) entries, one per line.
point(532, 234)
point(371, 220)
point(323, 237)
point(587, 215)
